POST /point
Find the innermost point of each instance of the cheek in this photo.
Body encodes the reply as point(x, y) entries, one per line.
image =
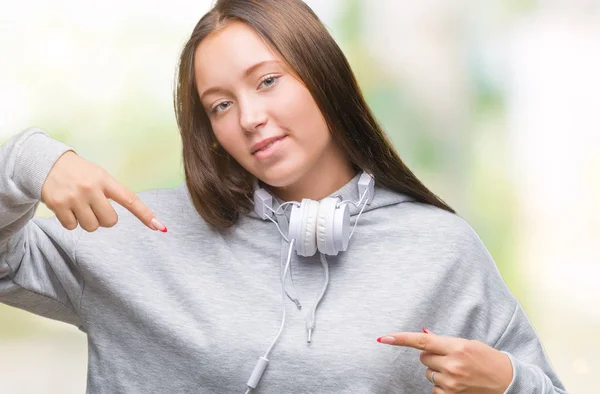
point(233, 143)
point(299, 112)
point(227, 133)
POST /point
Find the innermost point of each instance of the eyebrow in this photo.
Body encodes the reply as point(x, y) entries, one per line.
point(246, 73)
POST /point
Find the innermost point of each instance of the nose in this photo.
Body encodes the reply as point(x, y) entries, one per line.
point(252, 115)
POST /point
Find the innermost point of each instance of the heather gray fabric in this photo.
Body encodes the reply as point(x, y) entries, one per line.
point(191, 310)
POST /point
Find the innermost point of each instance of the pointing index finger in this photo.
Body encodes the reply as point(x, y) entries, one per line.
point(428, 342)
point(130, 201)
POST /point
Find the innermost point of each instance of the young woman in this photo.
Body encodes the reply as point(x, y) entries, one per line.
point(285, 167)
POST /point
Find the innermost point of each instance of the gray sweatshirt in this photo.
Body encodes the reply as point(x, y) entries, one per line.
point(192, 310)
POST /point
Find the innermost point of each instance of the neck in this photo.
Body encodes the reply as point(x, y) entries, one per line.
point(327, 176)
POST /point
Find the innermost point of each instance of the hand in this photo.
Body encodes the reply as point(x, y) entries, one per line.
point(77, 191)
point(460, 365)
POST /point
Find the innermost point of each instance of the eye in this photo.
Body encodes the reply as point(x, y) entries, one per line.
point(269, 80)
point(219, 107)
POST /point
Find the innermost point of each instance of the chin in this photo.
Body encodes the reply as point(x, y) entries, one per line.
point(280, 176)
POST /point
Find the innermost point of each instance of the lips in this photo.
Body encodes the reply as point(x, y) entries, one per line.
point(260, 145)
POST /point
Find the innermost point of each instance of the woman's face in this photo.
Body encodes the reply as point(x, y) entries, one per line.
point(251, 95)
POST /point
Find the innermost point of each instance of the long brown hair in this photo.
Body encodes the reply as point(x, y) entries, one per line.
point(218, 185)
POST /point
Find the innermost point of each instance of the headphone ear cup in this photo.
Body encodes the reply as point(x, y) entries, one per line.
point(303, 226)
point(341, 228)
point(325, 226)
point(308, 238)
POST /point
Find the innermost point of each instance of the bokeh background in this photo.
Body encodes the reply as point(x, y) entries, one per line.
point(493, 104)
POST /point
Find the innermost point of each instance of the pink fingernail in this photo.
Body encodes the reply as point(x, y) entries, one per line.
point(158, 225)
point(426, 331)
point(387, 340)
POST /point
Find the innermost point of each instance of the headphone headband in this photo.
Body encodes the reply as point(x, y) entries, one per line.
point(322, 225)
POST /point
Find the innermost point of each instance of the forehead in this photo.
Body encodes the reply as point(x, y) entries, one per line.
point(225, 54)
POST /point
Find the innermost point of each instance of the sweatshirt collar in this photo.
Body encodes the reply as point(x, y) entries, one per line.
point(349, 191)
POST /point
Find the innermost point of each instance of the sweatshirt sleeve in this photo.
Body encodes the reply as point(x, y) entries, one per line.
point(498, 314)
point(532, 372)
point(38, 269)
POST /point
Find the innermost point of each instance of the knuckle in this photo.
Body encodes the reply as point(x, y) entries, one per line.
point(87, 186)
point(58, 200)
point(452, 385)
point(92, 228)
point(422, 342)
point(53, 201)
point(110, 221)
point(68, 198)
point(463, 347)
point(473, 344)
point(69, 224)
point(132, 198)
point(58, 204)
point(101, 176)
point(99, 172)
point(453, 368)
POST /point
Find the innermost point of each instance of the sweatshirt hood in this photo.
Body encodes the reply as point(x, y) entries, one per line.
point(382, 198)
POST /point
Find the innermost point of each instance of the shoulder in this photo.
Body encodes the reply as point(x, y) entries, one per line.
point(454, 244)
point(429, 223)
point(433, 236)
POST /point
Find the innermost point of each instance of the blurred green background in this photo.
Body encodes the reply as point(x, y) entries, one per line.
point(492, 104)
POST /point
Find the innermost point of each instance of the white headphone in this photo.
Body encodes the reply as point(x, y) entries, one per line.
point(317, 225)
point(322, 225)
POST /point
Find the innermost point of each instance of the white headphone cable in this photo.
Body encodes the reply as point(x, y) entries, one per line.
point(310, 320)
point(262, 362)
point(356, 222)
